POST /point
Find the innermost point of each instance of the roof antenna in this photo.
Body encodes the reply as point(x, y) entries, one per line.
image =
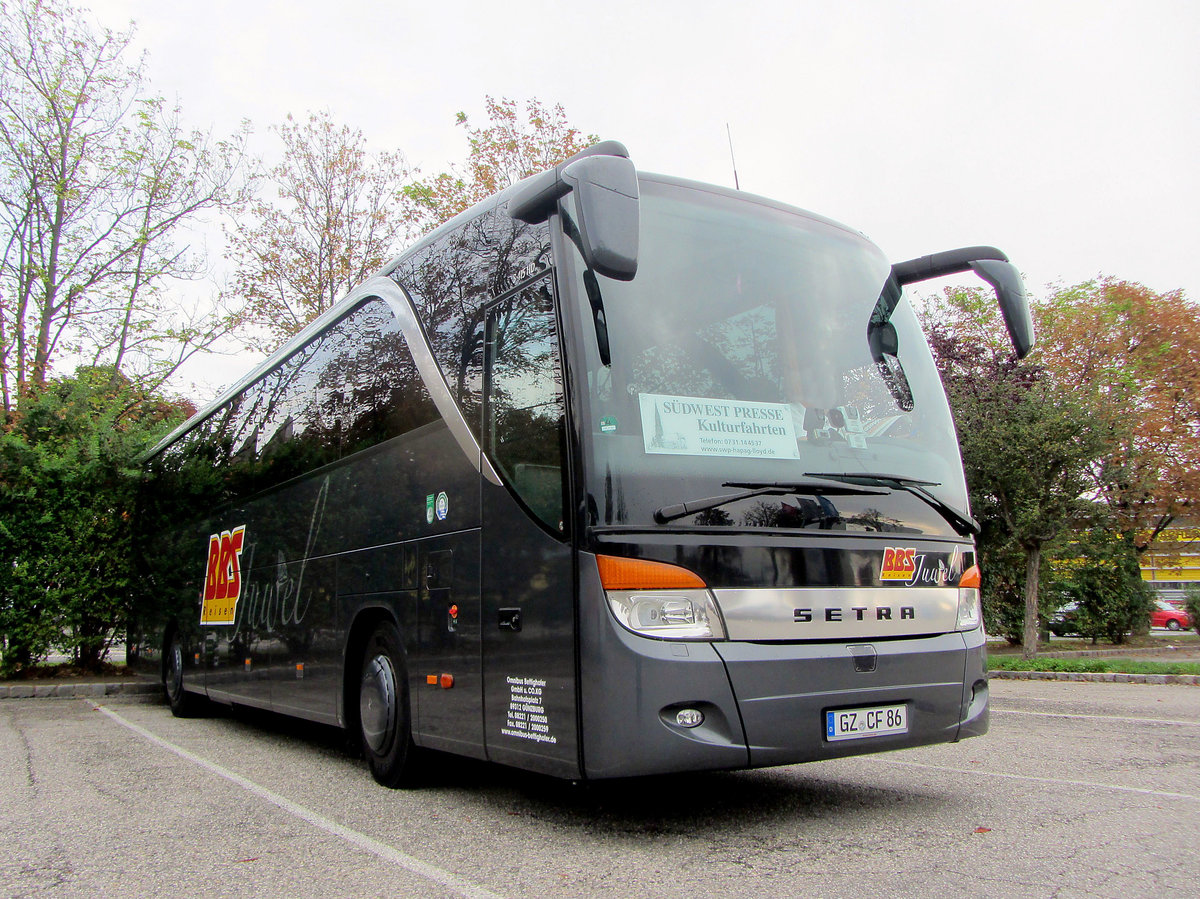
point(736, 186)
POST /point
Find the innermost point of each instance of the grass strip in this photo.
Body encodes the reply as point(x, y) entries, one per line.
point(1092, 666)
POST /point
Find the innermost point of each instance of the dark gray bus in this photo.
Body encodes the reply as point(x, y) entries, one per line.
point(613, 474)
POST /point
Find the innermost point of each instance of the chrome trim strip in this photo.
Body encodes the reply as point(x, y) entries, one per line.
point(837, 613)
point(392, 294)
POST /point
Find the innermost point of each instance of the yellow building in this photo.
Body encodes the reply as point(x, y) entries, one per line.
point(1173, 563)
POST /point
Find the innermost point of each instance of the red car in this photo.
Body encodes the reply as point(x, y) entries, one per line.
point(1166, 615)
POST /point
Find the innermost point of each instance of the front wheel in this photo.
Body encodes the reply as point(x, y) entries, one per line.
point(385, 721)
point(1173, 624)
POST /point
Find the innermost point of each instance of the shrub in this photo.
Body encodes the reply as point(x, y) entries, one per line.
point(1103, 578)
point(67, 487)
point(1191, 604)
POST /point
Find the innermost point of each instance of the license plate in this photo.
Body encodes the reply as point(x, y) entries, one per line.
point(853, 724)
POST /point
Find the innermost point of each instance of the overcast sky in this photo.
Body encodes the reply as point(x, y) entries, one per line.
point(1065, 133)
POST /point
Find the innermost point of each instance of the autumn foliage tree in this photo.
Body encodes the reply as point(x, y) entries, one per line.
point(341, 212)
point(510, 147)
point(338, 215)
point(1134, 356)
point(1128, 360)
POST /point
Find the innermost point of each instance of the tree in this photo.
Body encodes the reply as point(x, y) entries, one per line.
point(1028, 448)
point(340, 218)
point(97, 181)
point(1134, 356)
point(500, 154)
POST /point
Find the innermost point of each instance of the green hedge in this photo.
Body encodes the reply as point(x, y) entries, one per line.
point(67, 492)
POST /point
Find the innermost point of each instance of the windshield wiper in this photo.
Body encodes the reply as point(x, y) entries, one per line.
point(961, 522)
point(774, 488)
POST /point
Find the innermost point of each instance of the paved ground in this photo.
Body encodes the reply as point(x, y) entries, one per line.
point(1079, 790)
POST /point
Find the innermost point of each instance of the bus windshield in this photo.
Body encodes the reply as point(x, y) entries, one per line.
point(757, 347)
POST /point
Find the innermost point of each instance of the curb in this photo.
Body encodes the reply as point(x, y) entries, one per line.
point(1099, 677)
point(79, 691)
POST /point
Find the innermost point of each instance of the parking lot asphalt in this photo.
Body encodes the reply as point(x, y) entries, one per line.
point(1078, 790)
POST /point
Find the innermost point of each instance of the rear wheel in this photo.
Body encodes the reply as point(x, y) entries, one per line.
point(183, 704)
point(385, 721)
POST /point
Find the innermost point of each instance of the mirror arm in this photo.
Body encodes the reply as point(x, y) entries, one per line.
point(993, 267)
point(936, 265)
point(533, 199)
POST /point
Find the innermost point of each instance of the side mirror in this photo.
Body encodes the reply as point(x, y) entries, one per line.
point(992, 266)
point(604, 182)
point(607, 204)
point(1014, 305)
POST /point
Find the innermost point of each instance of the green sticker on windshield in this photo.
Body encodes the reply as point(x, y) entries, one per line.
point(608, 424)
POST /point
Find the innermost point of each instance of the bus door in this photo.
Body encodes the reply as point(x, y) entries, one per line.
point(447, 683)
point(526, 557)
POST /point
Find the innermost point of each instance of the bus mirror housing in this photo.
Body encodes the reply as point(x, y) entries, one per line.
point(606, 202)
point(992, 266)
point(1014, 305)
point(604, 182)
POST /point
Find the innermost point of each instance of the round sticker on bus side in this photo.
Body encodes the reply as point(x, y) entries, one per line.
point(443, 506)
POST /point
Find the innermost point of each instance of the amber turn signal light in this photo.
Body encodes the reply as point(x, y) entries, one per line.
point(617, 573)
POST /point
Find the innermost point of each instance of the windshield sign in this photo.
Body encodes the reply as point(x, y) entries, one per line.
point(694, 426)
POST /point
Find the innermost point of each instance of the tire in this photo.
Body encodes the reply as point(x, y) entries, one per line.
point(183, 704)
point(384, 712)
point(1173, 624)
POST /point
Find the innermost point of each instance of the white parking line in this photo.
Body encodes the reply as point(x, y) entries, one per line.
point(1058, 781)
point(380, 850)
point(1096, 717)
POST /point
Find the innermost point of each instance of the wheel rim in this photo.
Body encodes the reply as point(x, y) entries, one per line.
point(377, 705)
point(1173, 625)
point(175, 672)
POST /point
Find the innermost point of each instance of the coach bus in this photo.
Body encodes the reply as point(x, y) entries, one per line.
point(613, 474)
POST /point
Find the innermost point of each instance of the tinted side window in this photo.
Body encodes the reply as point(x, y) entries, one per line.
point(525, 413)
point(354, 386)
point(371, 380)
point(451, 281)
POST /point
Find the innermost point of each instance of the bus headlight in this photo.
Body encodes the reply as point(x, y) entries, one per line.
point(660, 600)
point(668, 614)
point(969, 610)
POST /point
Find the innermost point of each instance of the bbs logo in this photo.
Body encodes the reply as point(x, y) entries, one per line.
point(899, 564)
point(223, 580)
